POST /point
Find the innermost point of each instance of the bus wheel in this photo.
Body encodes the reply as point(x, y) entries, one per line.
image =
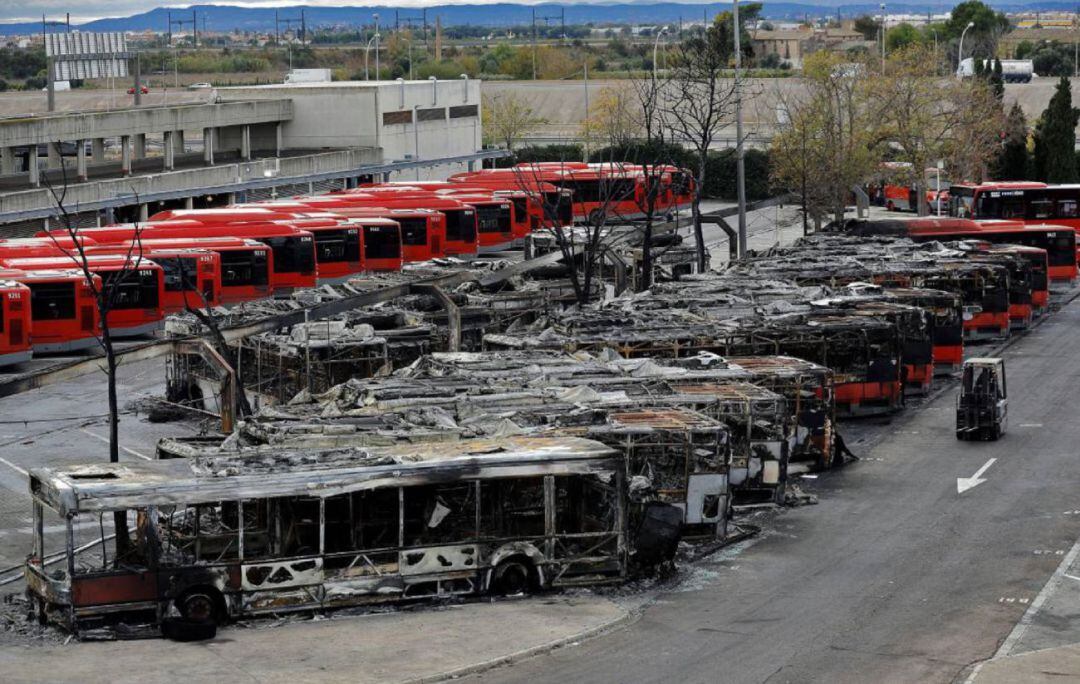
point(199, 605)
point(890, 206)
point(596, 218)
point(512, 577)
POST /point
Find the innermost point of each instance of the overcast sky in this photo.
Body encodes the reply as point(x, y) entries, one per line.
point(85, 10)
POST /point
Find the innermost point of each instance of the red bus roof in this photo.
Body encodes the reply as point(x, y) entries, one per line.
point(94, 261)
point(1003, 185)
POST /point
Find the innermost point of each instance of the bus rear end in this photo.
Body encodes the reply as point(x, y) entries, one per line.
point(192, 277)
point(63, 311)
point(381, 240)
point(494, 222)
point(423, 231)
point(246, 266)
point(135, 285)
point(293, 249)
point(458, 225)
point(15, 322)
point(338, 254)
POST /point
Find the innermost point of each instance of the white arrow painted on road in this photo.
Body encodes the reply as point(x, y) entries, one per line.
point(965, 483)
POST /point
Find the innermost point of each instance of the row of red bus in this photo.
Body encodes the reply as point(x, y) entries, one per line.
point(194, 258)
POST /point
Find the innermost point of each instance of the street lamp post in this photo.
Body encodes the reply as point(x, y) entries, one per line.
point(740, 166)
point(367, 49)
point(378, 73)
point(656, 44)
point(960, 51)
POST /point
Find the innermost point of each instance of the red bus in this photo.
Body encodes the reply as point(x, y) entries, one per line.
point(495, 224)
point(599, 191)
point(293, 249)
point(15, 322)
point(1016, 200)
point(1058, 241)
point(44, 245)
point(459, 225)
point(496, 209)
point(900, 196)
point(63, 313)
point(1027, 202)
point(137, 285)
point(542, 203)
point(192, 276)
point(338, 250)
point(423, 231)
point(547, 205)
point(247, 266)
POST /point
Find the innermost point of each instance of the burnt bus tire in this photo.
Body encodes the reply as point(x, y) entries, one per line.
point(200, 605)
point(511, 577)
point(183, 629)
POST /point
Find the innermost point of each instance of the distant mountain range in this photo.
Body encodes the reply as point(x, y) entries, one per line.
point(229, 17)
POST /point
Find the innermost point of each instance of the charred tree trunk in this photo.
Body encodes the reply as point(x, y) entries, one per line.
point(695, 210)
point(123, 538)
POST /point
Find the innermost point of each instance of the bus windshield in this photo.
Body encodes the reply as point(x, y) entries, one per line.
point(244, 267)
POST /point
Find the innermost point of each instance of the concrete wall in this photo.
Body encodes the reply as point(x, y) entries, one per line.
point(348, 114)
point(222, 178)
point(23, 131)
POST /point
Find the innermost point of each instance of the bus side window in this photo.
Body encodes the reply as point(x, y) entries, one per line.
point(299, 525)
point(583, 504)
point(1040, 208)
point(440, 514)
point(1067, 208)
point(377, 524)
point(1012, 209)
point(512, 508)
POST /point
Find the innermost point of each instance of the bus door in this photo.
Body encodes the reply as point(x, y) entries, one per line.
point(285, 571)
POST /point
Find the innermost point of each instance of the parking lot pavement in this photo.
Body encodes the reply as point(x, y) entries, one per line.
point(1045, 643)
point(401, 646)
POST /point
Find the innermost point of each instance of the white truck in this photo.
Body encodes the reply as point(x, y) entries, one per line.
point(309, 76)
point(1012, 70)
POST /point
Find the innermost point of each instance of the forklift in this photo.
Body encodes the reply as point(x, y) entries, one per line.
point(982, 405)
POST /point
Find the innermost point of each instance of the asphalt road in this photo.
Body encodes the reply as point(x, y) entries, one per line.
point(894, 576)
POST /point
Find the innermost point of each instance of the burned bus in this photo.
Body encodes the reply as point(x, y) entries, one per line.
point(219, 537)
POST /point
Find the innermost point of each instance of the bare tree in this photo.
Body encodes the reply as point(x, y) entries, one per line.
point(508, 118)
point(698, 102)
point(831, 140)
point(107, 292)
point(585, 246)
point(926, 118)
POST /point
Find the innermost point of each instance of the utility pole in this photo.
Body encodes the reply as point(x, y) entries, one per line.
point(50, 62)
point(882, 38)
point(586, 110)
point(740, 167)
point(546, 18)
point(194, 30)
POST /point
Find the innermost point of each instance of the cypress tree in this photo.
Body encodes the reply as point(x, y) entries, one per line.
point(997, 80)
point(1012, 160)
point(1055, 157)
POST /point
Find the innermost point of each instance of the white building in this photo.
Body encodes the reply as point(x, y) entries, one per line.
point(404, 120)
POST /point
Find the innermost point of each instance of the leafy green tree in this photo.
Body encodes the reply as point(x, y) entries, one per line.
point(986, 20)
point(902, 35)
point(1013, 160)
point(1051, 58)
point(868, 26)
point(1055, 138)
